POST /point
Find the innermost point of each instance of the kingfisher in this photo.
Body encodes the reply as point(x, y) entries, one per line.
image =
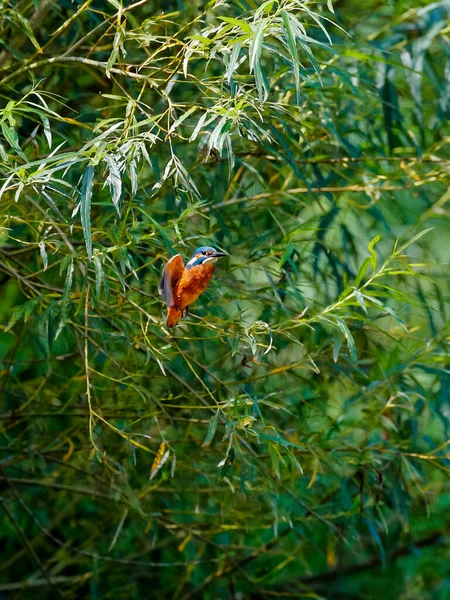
point(182, 284)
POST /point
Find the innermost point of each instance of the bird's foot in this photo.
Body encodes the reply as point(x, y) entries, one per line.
point(185, 312)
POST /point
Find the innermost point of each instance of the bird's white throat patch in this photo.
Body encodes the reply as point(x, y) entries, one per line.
point(206, 260)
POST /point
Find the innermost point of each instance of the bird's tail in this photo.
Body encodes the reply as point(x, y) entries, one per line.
point(173, 316)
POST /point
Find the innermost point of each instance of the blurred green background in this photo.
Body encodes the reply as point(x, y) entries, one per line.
point(291, 437)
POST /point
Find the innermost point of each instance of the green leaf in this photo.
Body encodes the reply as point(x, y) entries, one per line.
point(212, 428)
point(183, 117)
point(12, 138)
point(202, 122)
point(337, 344)
point(233, 60)
point(47, 129)
point(85, 208)
point(371, 247)
point(237, 22)
point(261, 82)
point(114, 181)
point(25, 311)
point(68, 264)
point(386, 309)
point(201, 38)
point(99, 276)
point(295, 462)
point(227, 463)
point(362, 271)
point(292, 51)
point(360, 299)
point(43, 253)
point(27, 29)
point(255, 47)
point(414, 239)
point(266, 7)
point(111, 61)
point(276, 458)
point(3, 153)
point(348, 337)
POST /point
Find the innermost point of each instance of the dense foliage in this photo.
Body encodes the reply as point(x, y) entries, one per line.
point(290, 437)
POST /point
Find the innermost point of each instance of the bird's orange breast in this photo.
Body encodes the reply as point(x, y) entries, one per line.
point(191, 284)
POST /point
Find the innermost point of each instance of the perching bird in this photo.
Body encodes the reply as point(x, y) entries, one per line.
point(181, 285)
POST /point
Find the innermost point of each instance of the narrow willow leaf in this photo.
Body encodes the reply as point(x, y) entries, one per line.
point(114, 181)
point(360, 299)
point(314, 474)
point(47, 129)
point(160, 459)
point(168, 171)
point(330, 6)
point(212, 429)
point(203, 121)
point(226, 463)
point(337, 344)
point(233, 60)
point(362, 270)
point(255, 47)
point(201, 38)
point(265, 7)
point(3, 153)
point(275, 458)
point(292, 51)
point(304, 44)
point(261, 83)
point(316, 18)
point(414, 239)
point(85, 206)
point(237, 22)
point(180, 120)
point(99, 276)
point(349, 338)
point(295, 462)
point(133, 175)
point(12, 138)
point(114, 54)
point(111, 61)
point(371, 247)
point(214, 137)
point(386, 309)
point(27, 29)
point(118, 530)
point(68, 264)
point(230, 155)
point(25, 310)
point(19, 191)
point(43, 253)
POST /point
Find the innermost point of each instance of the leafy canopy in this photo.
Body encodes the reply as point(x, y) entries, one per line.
point(291, 436)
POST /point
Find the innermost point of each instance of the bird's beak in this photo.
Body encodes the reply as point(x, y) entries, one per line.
point(220, 254)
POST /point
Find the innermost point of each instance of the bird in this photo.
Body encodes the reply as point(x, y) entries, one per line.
point(182, 284)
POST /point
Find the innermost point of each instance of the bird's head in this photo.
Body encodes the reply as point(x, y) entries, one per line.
point(204, 255)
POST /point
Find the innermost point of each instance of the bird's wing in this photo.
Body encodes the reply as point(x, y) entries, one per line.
point(171, 274)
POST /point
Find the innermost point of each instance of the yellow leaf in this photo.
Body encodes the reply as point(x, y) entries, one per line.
point(158, 456)
point(184, 543)
point(314, 474)
point(69, 452)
